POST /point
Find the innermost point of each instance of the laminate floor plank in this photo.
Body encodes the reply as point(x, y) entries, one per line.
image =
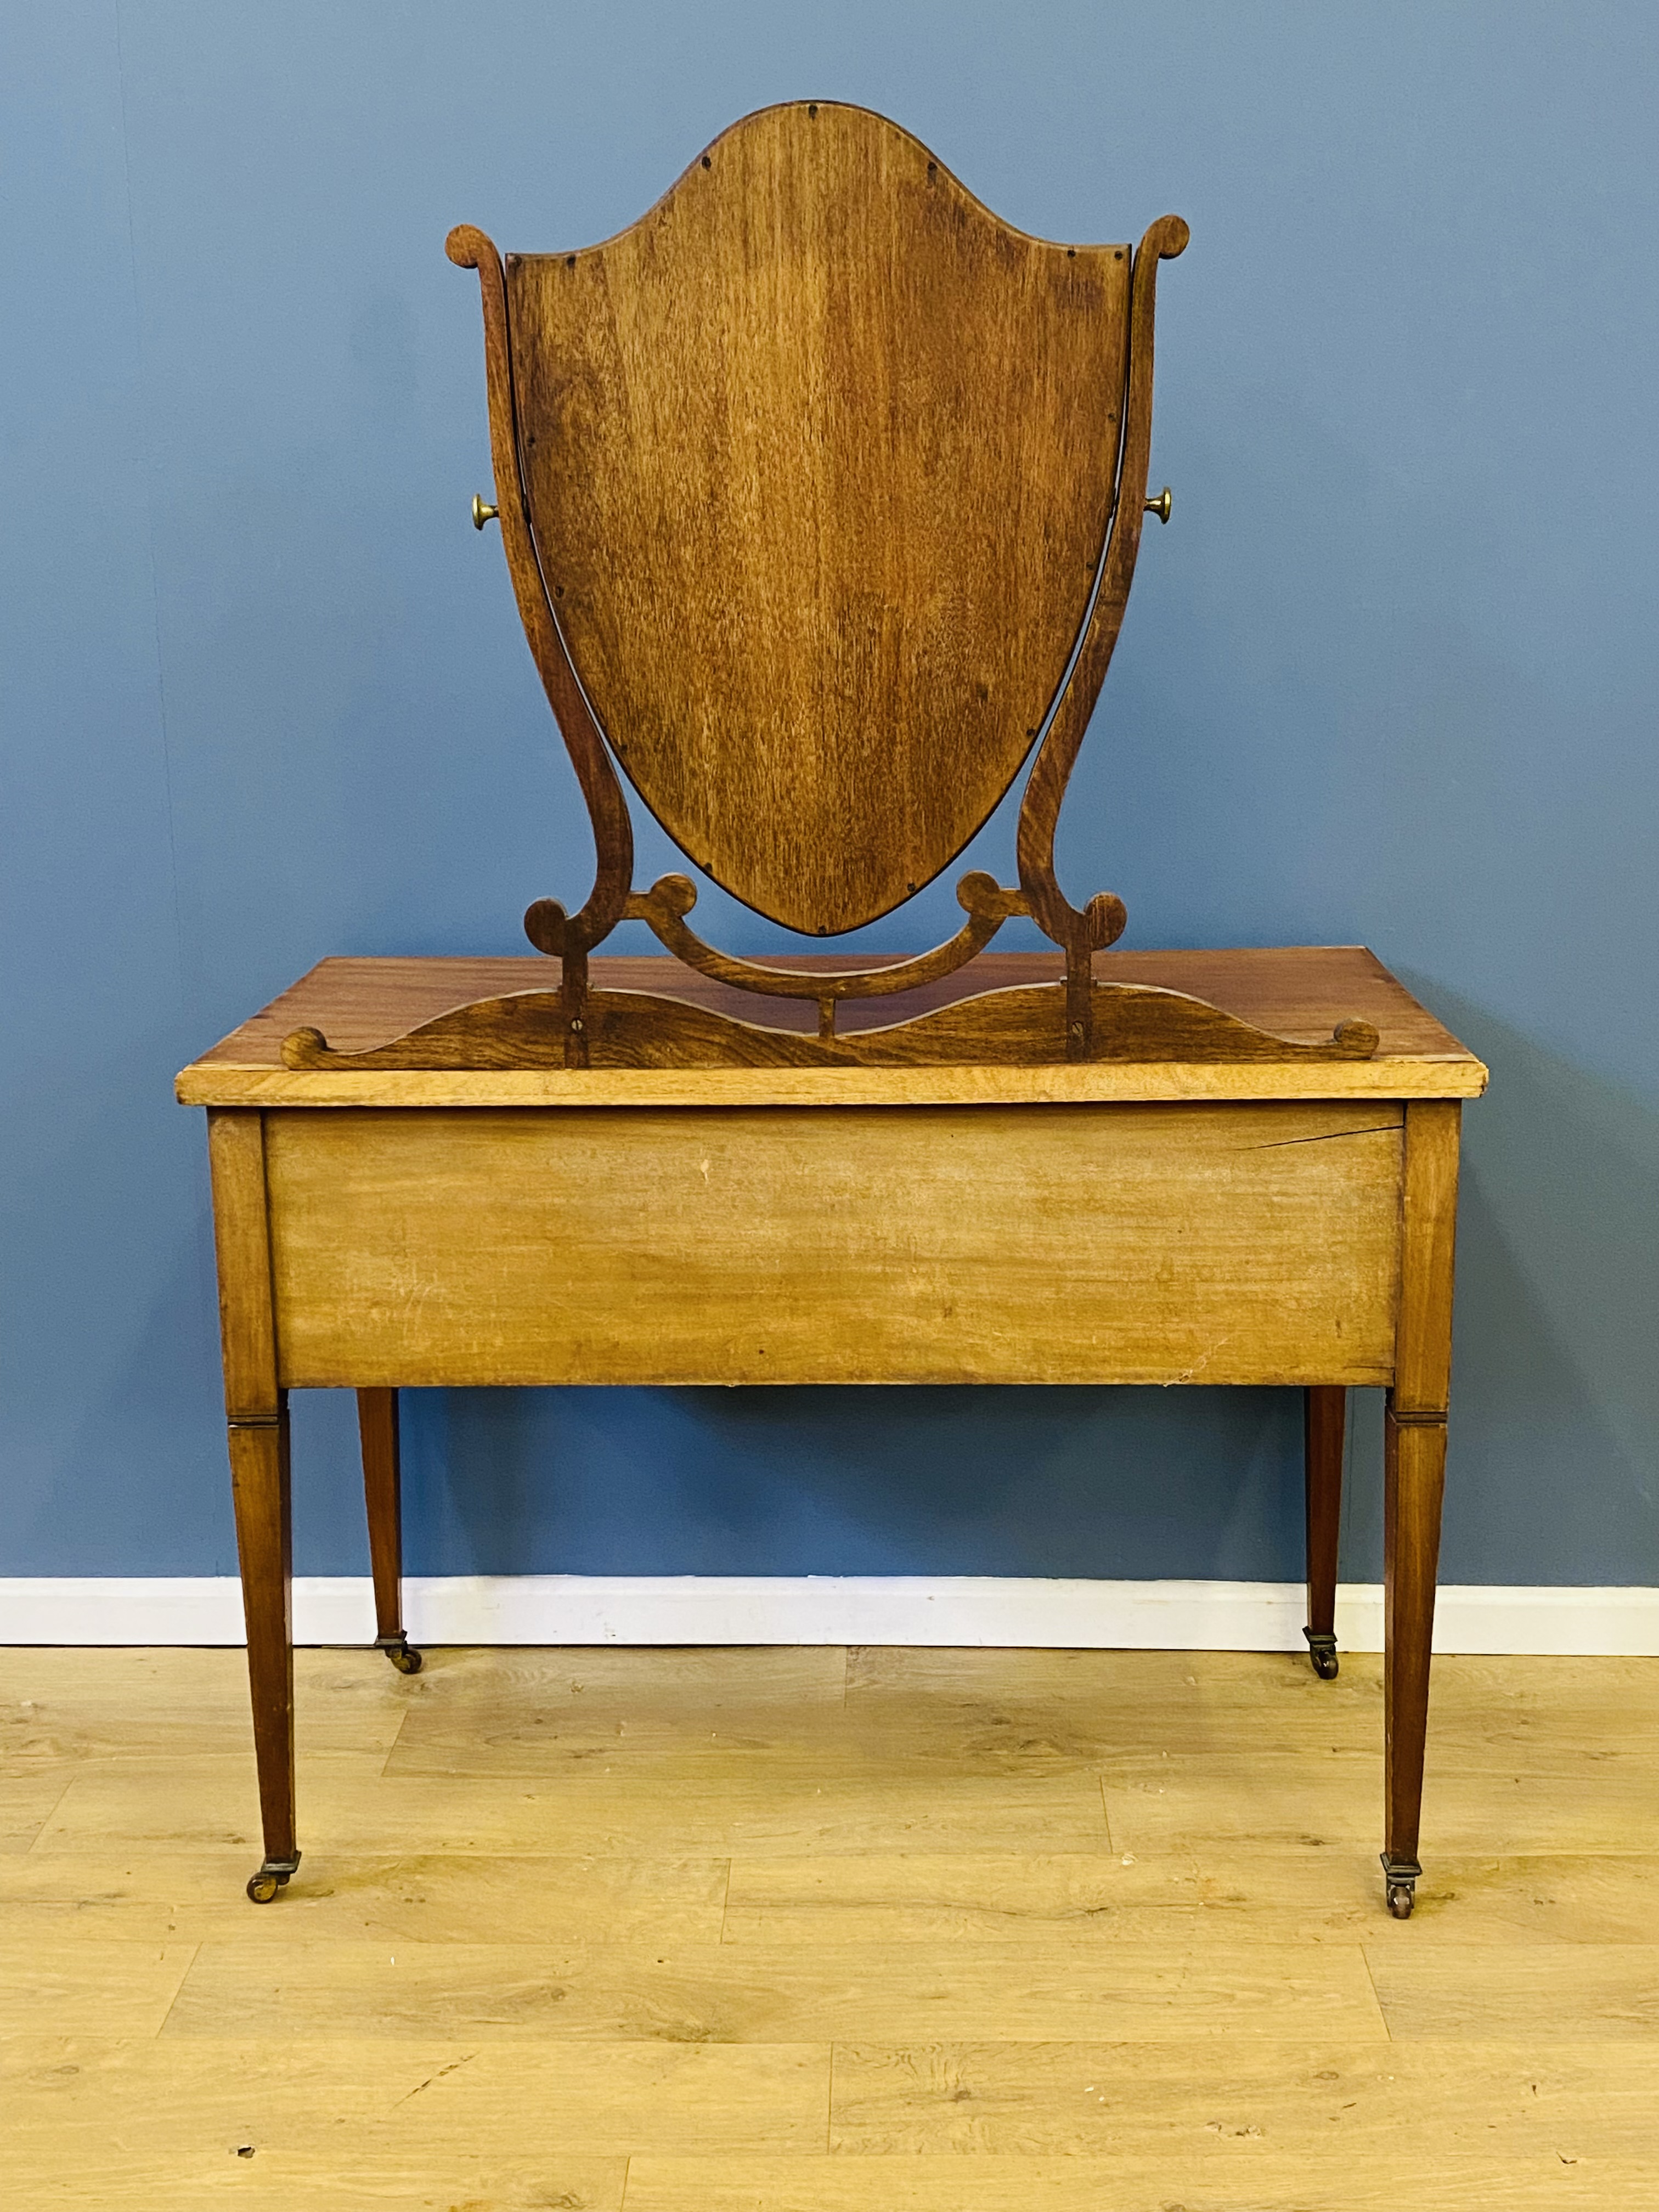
point(1600, 1992)
point(1099, 1704)
point(1412, 2181)
point(163, 1895)
point(1332, 2108)
point(470, 2181)
point(1101, 1897)
point(121, 1989)
point(1166, 1801)
point(1253, 1682)
point(500, 1684)
point(347, 1809)
point(546, 1713)
point(835, 1933)
point(753, 1993)
point(745, 1747)
point(388, 2118)
point(28, 1801)
point(1104, 1897)
point(66, 1705)
point(951, 1710)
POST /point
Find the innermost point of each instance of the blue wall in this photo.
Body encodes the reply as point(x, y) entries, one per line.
point(1388, 677)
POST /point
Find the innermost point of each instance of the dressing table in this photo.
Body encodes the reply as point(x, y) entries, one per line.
point(821, 490)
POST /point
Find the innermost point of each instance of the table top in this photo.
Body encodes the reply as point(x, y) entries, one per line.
point(1298, 992)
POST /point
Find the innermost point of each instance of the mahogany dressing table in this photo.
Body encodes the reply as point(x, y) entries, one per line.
point(821, 490)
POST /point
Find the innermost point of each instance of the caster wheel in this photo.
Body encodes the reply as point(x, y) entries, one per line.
point(1401, 1876)
point(271, 1880)
point(397, 1650)
point(1325, 1665)
point(1321, 1653)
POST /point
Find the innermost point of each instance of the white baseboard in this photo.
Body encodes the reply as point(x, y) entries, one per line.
point(914, 1609)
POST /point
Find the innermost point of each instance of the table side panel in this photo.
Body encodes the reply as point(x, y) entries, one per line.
point(1248, 1244)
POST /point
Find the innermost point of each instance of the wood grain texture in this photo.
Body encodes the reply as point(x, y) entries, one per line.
point(261, 1492)
point(963, 1717)
point(257, 1438)
point(611, 1811)
point(984, 901)
point(601, 789)
point(1100, 1083)
point(1493, 1717)
point(1520, 2071)
point(241, 1242)
point(1246, 1801)
point(1414, 1481)
point(751, 1993)
point(56, 1713)
point(1311, 2179)
point(27, 1803)
point(1296, 993)
point(88, 1989)
point(377, 1430)
point(1414, 1454)
point(1429, 1201)
point(1325, 1412)
point(1018, 1028)
point(1208, 1894)
point(1588, 1992)
point(384, 1898)
point(1230, 2119)
point(1082, 930)
point(1220, 1886)
point(381, 2118)
point(1128, 1244)
point(793, 447)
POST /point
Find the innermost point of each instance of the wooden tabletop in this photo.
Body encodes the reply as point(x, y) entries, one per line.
point(1299, 992)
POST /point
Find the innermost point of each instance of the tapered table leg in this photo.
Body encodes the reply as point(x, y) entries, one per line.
point(1415, 1465)
point(260, 1488)
point(377, 1425)
point(1324, 1418)
point(256, 1409)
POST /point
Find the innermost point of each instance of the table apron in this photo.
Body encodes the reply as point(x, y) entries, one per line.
point(1249, 1243)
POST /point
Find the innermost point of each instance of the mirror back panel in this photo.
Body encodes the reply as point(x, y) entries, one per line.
point(819, 458)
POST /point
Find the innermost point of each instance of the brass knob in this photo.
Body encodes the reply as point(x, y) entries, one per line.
point(480, 513)
point(1160, 506)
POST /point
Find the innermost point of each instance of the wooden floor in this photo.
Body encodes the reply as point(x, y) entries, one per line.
point(826, 1931)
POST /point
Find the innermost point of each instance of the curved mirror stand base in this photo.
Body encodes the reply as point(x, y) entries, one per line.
point(1023, 1027)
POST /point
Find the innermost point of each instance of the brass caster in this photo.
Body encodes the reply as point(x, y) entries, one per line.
point(1322, 1649)
point(1401, 1876)
point(397, 1650)
point(271, 1880)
